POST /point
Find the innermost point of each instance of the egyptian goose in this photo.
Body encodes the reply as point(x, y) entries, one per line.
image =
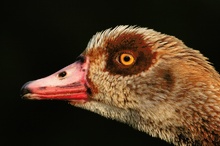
point(149, 80)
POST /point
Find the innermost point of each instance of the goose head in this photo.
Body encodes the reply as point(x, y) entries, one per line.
point(143, 78)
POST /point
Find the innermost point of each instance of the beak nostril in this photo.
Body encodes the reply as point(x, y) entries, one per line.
point(62, 74)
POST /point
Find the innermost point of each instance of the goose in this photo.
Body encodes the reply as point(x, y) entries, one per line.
point(146, 79)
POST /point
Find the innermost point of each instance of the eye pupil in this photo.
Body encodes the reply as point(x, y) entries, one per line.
point(62, 74)
point(127, 58)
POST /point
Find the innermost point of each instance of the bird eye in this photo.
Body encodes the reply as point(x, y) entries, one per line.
point(126, 59)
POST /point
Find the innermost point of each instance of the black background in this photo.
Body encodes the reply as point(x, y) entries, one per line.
point(38, 38)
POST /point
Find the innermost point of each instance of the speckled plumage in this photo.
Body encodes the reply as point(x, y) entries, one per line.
point(177, 98)
point(169, 90)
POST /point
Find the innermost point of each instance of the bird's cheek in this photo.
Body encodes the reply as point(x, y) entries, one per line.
point(92, 87)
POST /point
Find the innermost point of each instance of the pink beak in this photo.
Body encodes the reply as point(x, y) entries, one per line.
point(69, 83)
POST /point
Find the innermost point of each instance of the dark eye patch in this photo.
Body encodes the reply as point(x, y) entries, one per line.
point(131, 42)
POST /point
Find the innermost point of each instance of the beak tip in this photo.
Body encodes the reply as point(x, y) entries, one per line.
point(25, 90)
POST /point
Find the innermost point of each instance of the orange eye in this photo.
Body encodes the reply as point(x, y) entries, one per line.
point(126, 59)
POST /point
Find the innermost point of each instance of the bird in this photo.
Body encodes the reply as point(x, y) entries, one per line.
point(144, 78)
